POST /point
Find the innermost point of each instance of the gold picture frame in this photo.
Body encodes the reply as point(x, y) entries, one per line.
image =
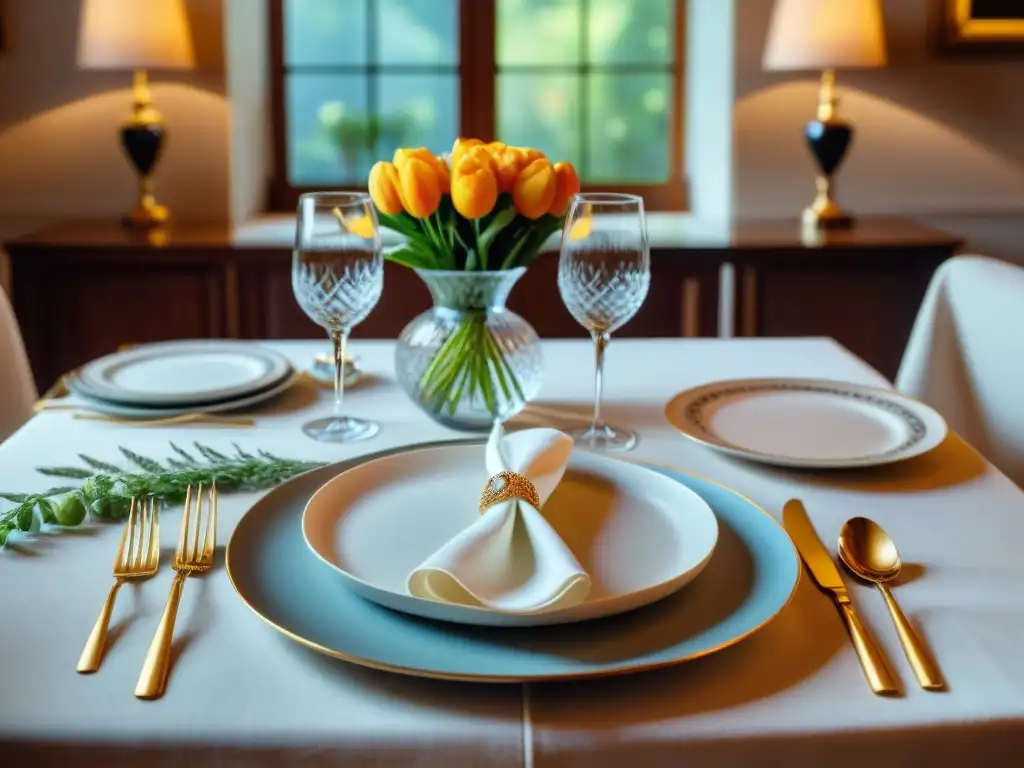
point(985, 25)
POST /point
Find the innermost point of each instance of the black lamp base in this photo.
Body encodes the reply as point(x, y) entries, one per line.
point(828, 141)
point(143, 145)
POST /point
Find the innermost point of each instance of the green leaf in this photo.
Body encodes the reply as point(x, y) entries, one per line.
point(70, 511)
point(102, 466)
point(401, 223)
point(17, 498)
point(501, 220)
point(243, 454)
point(4, 533)
point(184, 454)
point(58, 490)
point(24, 515)
point(72, 472)
point(145, 463)
point(211, 455)
point(46, 509)
point(408, 256)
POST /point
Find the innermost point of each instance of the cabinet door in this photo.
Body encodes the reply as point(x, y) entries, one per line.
point(71, 314)
point(268, 309)
point(868, 307)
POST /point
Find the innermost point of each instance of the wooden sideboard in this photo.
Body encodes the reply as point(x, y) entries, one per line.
point(81, 289)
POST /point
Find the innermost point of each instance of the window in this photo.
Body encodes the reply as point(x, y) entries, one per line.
point(595, 82)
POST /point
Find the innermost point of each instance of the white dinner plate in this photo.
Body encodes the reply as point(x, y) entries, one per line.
point(639, 535)
point(812, 423)
point(143, 412)
point(183, 373)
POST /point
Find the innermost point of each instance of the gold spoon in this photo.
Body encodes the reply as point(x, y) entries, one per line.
point(866, 549)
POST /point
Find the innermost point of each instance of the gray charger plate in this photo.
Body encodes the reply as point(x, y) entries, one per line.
point(750, 579)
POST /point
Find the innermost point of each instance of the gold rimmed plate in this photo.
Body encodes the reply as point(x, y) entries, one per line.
point(807, 423)
point(748, 581)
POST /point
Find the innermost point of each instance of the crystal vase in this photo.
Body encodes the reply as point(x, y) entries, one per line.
point(469, 361)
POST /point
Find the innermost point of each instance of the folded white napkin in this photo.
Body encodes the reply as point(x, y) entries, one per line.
point(510, 559)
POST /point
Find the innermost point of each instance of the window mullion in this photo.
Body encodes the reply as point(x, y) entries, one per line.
point(477, 70)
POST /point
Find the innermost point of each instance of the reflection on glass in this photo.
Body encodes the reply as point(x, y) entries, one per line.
point(628, 129)
point(417, 110)
point(536, 32)
point(324, 32)
point(366, 77)
point(337, 278)
point(541, 111)
point(418, 32)
point(595, 89)
point(326, 114)
point(633, 32)
point(604, 273)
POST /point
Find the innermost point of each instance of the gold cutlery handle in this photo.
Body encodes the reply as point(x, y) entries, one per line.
point(927, 674)
point(870, 655)
point(92, 654)
point(153, 678)
point(185, 418)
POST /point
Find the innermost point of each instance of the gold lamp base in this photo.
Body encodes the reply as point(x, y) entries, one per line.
point(828, 138)
point(147, 213)
point(824, 212)
point(142, 137)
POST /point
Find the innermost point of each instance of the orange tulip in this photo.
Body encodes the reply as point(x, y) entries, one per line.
point(535, 188)
point(460, 147)
point(495, 148)
point(402, 156)
point(582, 226)
point(567, 184)
point(479, 154)
point(362, 226)
point(474, 187)
point(421, 187)
point(510, 162)
point(385, 189)
point(532, 154)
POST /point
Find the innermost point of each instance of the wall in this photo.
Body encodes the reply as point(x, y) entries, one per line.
point(246, 57)
point(937, 137)
point(59, 151)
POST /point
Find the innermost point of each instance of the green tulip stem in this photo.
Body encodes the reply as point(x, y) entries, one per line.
point(469, 364)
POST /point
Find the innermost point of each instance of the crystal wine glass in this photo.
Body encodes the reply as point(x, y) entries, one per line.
point(604, 273)
point(337, 278)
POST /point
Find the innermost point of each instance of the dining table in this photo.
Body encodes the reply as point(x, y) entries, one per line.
point(792, 693)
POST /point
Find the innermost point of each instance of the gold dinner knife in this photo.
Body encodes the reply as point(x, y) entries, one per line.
point(823, 569)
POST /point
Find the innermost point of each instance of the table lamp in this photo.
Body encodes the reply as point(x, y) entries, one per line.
point(826, 35)
point(138, 35)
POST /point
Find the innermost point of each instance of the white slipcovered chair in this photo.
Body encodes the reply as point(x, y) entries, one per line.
point(965, 356)
point(17, 389)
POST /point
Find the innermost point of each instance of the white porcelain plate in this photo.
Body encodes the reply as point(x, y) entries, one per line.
point(813, 423)
point(182, 373)
point(146, 412)
point(640, 535)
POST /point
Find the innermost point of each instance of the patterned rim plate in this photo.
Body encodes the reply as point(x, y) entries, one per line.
point(183, 373)
point(749, 580)
point(812, 423)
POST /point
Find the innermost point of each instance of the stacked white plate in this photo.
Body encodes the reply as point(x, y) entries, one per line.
point(169, 379)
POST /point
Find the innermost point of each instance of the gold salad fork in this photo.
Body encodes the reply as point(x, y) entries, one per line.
point(189, 558)
point(140, 560)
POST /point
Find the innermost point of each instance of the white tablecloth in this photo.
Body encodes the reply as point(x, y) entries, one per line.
point(792, 694)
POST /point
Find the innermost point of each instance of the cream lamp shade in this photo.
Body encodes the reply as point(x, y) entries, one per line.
point(134, 34)
point(825, 34)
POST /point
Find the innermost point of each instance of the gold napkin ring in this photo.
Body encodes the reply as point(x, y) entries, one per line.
point(508, 485)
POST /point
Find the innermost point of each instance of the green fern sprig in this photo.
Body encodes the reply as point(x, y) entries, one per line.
point(107, 490)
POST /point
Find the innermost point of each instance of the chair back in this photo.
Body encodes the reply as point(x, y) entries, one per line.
point(17, 387)
point(965, 356)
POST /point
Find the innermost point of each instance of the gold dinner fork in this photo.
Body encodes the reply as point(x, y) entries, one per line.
point(142, 535)
point(189, 558)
